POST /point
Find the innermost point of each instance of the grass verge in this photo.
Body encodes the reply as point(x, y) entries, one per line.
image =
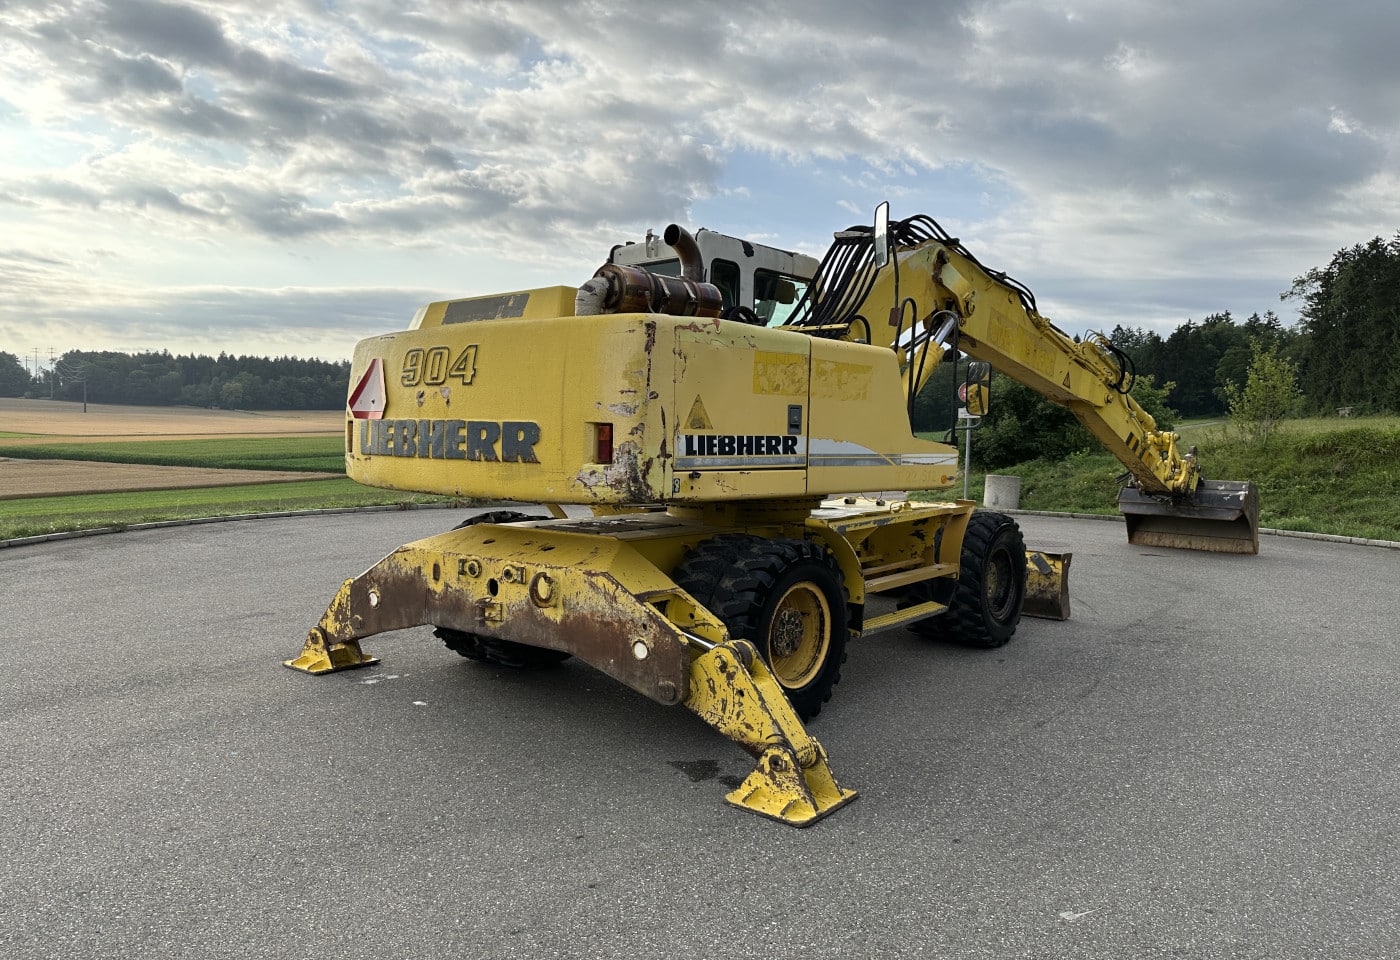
point(1313, 476)
point(35, 516)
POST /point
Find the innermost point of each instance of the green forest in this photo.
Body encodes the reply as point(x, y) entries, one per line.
point(159, 379)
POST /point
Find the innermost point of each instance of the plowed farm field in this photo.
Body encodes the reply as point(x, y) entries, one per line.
point(47, 422)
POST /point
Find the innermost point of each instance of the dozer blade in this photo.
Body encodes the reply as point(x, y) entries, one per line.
point(1047, 584)
point(1222, 516)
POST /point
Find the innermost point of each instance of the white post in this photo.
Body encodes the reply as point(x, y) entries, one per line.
point(967, 459)
point(965, 423)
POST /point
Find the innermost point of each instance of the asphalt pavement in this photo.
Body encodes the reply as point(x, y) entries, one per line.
point(1202, 762)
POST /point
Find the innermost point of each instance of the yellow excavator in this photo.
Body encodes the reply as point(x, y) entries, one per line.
point(718, 406)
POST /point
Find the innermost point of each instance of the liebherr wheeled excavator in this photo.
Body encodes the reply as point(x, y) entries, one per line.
point(715, 402)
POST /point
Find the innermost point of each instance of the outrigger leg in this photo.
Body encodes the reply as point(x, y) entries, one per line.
point(598, 600)
point(732, 690)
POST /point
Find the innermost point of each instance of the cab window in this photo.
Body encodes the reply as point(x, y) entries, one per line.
point(665, 268)
point(725, 275)
point(775, 295)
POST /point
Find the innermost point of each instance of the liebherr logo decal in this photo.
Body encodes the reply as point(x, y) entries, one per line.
point(745, 451)
point(742, 445)
point(506, 441)
point(739, 450)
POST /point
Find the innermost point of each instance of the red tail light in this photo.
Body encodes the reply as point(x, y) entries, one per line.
point(602, 435)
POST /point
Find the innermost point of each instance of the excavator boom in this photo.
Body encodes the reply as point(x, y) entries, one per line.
point(938, 297)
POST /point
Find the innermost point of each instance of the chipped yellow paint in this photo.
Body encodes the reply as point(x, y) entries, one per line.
point(837, 380)
point(780, 374)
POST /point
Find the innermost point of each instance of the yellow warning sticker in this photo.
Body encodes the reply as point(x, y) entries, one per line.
point(698, 418)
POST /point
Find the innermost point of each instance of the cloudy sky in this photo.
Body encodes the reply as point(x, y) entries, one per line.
point(286, 178)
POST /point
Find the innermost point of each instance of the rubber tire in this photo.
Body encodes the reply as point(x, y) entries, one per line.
point(990, 588)
point(704, 566)
point(505, 653)
point(497, 516)
point(742, 579)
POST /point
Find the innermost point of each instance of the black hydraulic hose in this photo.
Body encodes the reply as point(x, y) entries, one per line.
point(1127, 369)
point(834, 294)
point(924, 344)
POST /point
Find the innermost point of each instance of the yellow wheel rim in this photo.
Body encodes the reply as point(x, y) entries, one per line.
point(799, 635)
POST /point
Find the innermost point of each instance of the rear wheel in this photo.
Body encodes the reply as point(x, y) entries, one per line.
point(787, 597)
point(506, 653)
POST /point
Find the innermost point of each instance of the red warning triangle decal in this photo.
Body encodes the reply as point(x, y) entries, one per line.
point(367, 399)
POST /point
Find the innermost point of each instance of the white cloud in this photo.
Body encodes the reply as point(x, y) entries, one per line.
point(1124, 156)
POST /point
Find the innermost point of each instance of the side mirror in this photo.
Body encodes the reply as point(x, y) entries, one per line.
point(882, 234)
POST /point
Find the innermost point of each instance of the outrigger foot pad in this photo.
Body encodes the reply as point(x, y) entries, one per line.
point(732, 690)
point(318, 656)
point(1047, 584)
point(780, 789)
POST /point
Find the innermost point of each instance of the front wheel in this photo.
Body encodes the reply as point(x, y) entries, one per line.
point(991, 584)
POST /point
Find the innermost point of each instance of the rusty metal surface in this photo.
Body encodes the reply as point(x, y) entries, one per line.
point(732, 690)
point(635, 290)
point(528, 586)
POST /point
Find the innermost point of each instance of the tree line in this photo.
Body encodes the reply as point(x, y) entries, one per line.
point(160, 379)
point(1346, 343)
point(1345, 347)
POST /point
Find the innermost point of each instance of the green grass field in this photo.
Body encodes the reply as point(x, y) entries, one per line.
point(34, 516)
point(1324, 475)
point(314, 453)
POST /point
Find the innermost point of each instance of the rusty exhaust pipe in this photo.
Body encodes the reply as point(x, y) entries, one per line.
point(679, 239)
point(621, 288)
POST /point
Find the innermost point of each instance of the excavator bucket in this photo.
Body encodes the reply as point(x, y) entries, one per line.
point(1222, 516)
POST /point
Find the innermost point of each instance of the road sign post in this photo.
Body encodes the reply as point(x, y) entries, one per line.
point(966, 423)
